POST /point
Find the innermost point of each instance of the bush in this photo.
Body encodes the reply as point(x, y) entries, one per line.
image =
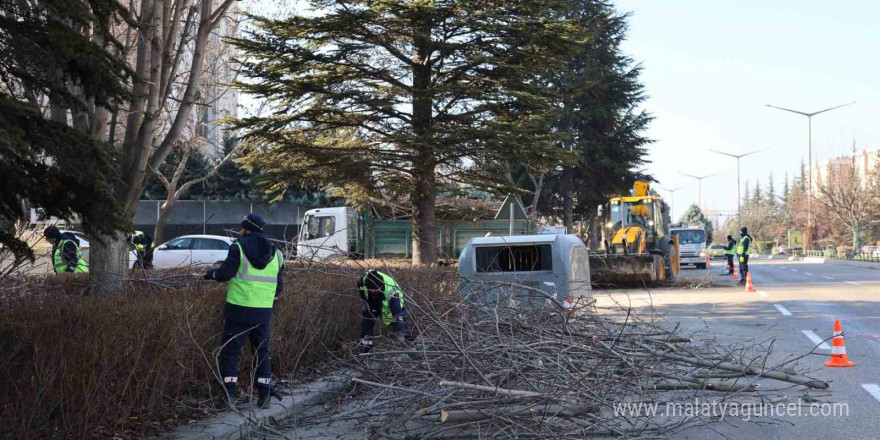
point(76, 366)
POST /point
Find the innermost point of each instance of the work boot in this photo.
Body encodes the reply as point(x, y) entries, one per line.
point(227, 398)
point(742, 281)
point(264, 397)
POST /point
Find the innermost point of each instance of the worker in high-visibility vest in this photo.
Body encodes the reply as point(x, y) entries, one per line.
point(730, 252)
point(143, 246)
point(254, 269)
point(66, 256)
point(743, 250)
point(382, 299)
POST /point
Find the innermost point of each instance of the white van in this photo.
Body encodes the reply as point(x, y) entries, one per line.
point(691, 244)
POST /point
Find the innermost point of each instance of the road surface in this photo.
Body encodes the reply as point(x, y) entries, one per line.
point(795, 306)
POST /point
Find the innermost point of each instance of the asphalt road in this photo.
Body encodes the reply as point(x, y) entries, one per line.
point(794, 309)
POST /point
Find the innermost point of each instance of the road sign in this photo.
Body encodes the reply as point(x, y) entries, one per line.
point(795, 238)
point(511, 210)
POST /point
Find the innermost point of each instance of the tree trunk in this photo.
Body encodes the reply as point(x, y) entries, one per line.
point(593, 234)
point(108, 261)
point(567, 198)
point(424, 164)
point(164, 213)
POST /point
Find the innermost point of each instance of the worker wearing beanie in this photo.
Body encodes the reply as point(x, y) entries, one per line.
point(66, 256)
point(254, 269)
point(382, 300)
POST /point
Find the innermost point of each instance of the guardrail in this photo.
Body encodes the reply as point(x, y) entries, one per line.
point(849, 256)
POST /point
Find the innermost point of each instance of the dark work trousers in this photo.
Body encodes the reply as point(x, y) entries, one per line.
point(371, 312)
point(144, 259)
point(234, 335)
point(730, 265)
point(744, 268)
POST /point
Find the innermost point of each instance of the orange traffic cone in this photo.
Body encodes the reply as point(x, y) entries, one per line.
point(838, 349)
point(749, 286)
point(735, 272)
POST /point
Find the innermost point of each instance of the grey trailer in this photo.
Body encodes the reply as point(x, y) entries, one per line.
point(543, 266)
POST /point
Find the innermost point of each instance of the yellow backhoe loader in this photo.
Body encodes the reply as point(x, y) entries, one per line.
point(638, 246)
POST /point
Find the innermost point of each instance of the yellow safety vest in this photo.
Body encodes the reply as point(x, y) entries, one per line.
point(61, 265)
point(252, 287)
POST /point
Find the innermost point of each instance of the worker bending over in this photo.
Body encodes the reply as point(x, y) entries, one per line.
point(66, 256)
point(382, 299)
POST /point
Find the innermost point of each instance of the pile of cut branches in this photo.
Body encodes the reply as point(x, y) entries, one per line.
point(508, 370)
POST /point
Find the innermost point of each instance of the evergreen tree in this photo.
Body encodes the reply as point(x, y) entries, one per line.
point(48, 67)
point(770, 199)
point(757, 196)
point(802, 182)
point(746, 199)
point(404, 96)
point(786, 190)
point(695, 215)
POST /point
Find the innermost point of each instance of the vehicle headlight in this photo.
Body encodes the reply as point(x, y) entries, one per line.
point(610, 224)
point(702, 253)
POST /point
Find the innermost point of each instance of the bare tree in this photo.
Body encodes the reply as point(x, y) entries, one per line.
point(175, 189)
point(169, 43)
point(851, 195)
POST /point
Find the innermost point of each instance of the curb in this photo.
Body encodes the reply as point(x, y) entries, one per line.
point(231, 426)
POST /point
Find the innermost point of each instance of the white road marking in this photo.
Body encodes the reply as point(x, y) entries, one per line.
point(807, 273)
point(793, 270)
point(828, 278)
point(816, 339)
point(762, 293)
point(853, 283)
point(873, 389)
point(782, 310)
point(782, 267)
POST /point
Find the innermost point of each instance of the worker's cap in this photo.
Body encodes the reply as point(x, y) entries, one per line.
point(253, 223)
point(52, 232)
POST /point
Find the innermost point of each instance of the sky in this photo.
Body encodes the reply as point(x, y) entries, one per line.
point(710, 66)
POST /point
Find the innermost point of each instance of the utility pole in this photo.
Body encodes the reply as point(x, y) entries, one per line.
point(699, 186)
point(671, 200)
point(808, 236)
point(737, 157)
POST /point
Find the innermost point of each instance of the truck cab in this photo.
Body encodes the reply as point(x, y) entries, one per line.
point(330, 233)
point(692, 244)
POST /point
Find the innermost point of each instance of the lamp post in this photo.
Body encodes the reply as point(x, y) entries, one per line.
point(699, 186)
point(671, 199)
point(737, 157)
point(809, 233)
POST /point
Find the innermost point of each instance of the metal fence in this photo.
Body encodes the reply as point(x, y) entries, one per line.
point(873, 257)
point(216, 216)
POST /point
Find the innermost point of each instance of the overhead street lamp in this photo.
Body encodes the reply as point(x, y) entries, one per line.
point(737, 157)
point(671, 199)
point(699, 186)
point(808, 237)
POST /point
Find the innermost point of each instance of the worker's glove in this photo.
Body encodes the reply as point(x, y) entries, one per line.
point(742, 259)
point(365, 345)
point(209, 275)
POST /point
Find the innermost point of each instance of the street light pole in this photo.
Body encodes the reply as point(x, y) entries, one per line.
point(671, 199)
point(699, 186)
point(738, 197)
point(809, 116)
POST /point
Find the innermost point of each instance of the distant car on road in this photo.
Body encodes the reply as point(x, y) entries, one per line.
point(716, 251)
point(189, 250)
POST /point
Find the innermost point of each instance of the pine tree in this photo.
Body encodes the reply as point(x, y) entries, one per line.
point(403, 97)
point(232, 181)
point(786, 190)
point(49, 67)
point(757, 196)
point(695, 215)
point(770, 199)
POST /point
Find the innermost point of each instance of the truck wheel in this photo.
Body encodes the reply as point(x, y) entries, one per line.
point(701, 266)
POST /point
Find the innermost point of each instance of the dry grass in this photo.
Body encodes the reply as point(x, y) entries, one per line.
point(77, 367)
